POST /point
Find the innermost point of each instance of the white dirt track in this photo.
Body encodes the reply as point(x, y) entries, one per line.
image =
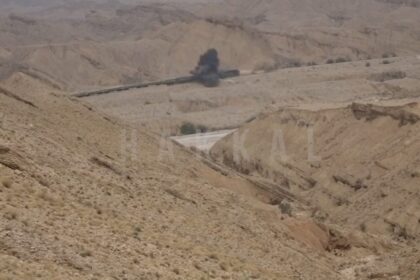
point(202, 141)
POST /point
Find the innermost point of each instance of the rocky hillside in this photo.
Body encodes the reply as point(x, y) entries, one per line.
point(357, 165)
point(82, 196)
point(109, 43)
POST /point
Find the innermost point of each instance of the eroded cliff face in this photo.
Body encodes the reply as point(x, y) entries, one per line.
point(358, 164)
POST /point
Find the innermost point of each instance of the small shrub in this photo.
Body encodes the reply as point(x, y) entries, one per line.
point(386, 62)
point(136, 232)
point(342, 60)
point(385, 55)
point(295, 64)
point(330, 61)
point(202, 128)
point(388, 75)
point(367, 64)
point(311, 63)
point(188, 128)
point(285, 208)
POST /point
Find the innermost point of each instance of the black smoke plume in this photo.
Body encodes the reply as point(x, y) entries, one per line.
point(207, 69)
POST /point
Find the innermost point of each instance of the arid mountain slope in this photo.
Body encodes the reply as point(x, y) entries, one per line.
point(358, 164)
point(171, 51)
point(84, 196)
point(307, 30)
point(120, 43)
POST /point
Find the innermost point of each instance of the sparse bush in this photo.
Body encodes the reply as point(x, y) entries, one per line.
point(291, 63)
point(338, 60)
point(385, 55)
point(386, 62)
point(202, 128)
point(136, 232)
point(311, 63)
point(342, 59)
point(188, 128)
point(367, 64)
point(295, 63)
point(388, 75)
point(285, 208)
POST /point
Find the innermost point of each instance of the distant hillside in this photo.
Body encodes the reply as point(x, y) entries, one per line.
point(108, 43)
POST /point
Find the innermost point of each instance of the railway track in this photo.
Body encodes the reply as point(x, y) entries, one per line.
point(176, 81)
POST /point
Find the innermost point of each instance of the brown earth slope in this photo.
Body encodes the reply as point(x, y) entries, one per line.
point(359, 165)
point(171, 51)
point(83, 196)
point(83, 45)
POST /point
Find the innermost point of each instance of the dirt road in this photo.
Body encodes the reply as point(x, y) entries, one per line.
point(202, 141)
